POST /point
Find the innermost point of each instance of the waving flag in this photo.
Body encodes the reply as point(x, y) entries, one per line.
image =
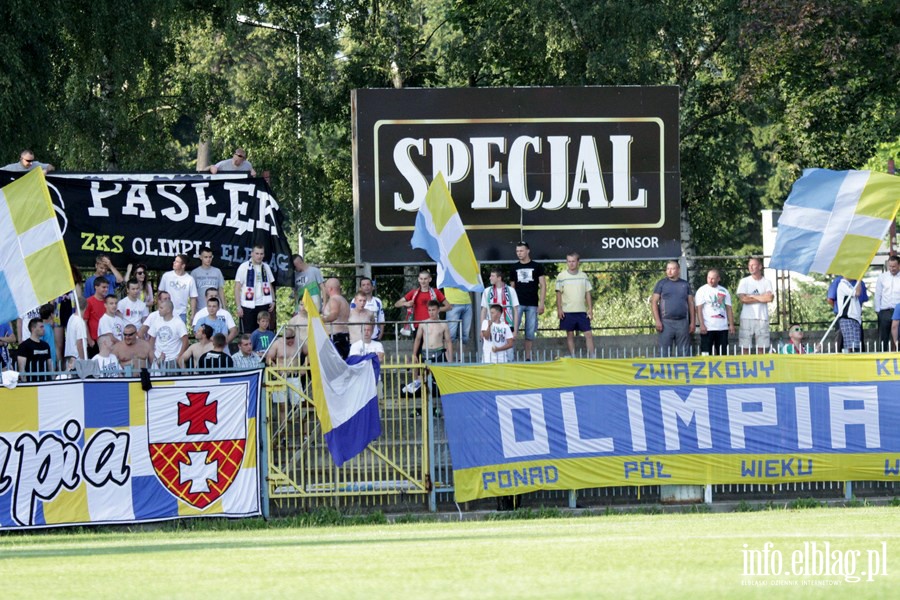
point(440, 232)
point(834, 221)
point(34, 266)
point(345, 396)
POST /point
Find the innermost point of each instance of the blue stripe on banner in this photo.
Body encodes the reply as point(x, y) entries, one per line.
point(498, 427)
point(151, 500)
point(252, 381)
point(6, 510)
point(350, 438)
point(8, 310)
point(795, 248)
point(106, 404)
point(817, 188)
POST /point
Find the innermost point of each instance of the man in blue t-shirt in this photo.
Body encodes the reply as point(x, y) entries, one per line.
point(104, 269)
point(672, 305)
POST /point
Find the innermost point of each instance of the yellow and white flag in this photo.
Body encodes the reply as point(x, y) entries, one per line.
point(34, 266)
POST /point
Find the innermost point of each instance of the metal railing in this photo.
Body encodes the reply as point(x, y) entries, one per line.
point(409, 466)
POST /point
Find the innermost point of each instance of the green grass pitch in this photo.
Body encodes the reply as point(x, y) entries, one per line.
point(611, 556)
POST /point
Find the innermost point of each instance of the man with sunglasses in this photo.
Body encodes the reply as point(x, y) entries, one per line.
point(238, 163)
point(132, 351)
point(27, 163)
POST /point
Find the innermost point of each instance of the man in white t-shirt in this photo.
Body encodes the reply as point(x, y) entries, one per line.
point(108, 363)
point(498, 337)
point(76, 339)
point(181, 287)
point(254, 290)
point(168, 335)
point(373, 305)
point(203, 311)
point(111, 323)
point(367, 345)
point(755, 292)
point(131, 307)
point(145, 328)
point(220, 323)
point(503, 295)
point(714, 315)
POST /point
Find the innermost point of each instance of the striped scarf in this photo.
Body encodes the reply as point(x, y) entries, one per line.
point(504, 300)
point(410, 310)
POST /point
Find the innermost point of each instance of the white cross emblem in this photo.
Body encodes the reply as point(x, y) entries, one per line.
point(198, 472)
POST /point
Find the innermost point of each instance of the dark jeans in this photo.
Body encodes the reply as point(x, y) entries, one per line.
point(248, 321)
point(714, 342)
point(884, 329)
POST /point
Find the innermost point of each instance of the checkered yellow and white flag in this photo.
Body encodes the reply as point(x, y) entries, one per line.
point(34, 266)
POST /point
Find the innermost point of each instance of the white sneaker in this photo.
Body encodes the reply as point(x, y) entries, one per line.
point(412, 387)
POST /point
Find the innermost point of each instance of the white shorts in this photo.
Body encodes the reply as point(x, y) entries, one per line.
point(750, 328)
point(288, 393)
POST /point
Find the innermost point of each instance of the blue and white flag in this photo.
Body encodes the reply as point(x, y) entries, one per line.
point(834, 221)
point(34, 265)
point(440, 232)
point(345, 396)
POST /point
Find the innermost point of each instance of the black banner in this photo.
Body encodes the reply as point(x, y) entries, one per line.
point(151, 218)
point(592, 169)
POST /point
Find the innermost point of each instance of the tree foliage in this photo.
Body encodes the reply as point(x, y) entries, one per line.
point(767, 87)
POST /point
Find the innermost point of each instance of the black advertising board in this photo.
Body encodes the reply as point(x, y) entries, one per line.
point(590, 169)
point(149, 218)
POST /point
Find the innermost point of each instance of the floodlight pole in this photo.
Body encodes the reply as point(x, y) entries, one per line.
point(245, 20)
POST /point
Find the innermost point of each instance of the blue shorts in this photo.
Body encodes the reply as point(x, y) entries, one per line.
point(529, 315)
point(575, 322)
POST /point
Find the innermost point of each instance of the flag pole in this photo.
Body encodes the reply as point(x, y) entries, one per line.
point(78, 314)
point(842, 307)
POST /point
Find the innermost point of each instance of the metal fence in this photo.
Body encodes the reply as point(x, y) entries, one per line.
point(409, 467)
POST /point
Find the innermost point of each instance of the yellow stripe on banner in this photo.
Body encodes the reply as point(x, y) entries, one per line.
point(439, 202)
point(47, 269)
point(68, 507)
point(685, 469)
point(567, 373)
point(880, 197)
point(250, 451)
point(29, 201)
point(137, 404)
point(19, 409)
point(186, 510)
point(854, 250)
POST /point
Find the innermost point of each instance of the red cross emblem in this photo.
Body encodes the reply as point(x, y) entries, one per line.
point(197, 413)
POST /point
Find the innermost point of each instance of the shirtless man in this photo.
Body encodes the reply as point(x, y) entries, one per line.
point(285, 352)
point(131, 351)
point(198, 348)
point(298, 324)
point(432, 343)
point(359, 314)
point(336, 311)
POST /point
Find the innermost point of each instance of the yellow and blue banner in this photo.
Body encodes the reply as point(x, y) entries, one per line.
point(834, 221)
point(345, 395)
point(92, 452)
point(34, 266)
point(440, 232)
point(574, 424)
